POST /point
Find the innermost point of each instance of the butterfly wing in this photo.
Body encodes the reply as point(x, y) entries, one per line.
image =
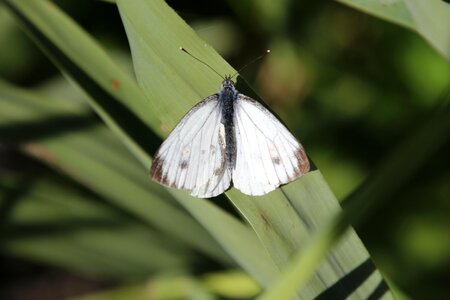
point(193, 156)
point(268, 155)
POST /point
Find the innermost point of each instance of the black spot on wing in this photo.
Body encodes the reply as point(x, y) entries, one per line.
point(276, 160)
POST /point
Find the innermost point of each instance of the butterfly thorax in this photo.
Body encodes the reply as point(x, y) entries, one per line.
point(227, 98)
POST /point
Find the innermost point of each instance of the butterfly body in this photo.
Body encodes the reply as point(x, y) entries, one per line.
point(227, 98)
point(229, 137)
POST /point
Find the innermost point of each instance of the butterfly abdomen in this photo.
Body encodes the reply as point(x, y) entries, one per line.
point(227, 98)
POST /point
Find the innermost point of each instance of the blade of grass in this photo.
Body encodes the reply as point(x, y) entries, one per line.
point(97, 160)
point(393, 11)
point(284, 218)
point(51, 221)
point(191, 87)
point(77, 153)
point(83, 61)
point(422, 144)
point(242, 246)
point(184, 286)
point(431, 19)
point(228, 284)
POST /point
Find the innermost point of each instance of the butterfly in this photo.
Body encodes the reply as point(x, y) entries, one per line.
point(229, 138)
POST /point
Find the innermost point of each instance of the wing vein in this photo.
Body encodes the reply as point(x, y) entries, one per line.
point(251, 120)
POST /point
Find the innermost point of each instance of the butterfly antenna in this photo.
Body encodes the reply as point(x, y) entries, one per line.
point(250, 62)
point(184, 50)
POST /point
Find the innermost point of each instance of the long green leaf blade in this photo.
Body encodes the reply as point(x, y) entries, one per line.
point(76, 153)
point(51, 221)
point(285, 218)
point(424, 143)
point(431, 18)
point(243, 247)
point(85, 62)
point(279, 236)
point(94, 157)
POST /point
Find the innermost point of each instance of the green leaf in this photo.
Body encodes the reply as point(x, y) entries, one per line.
point(392, 10)
point(95, 158)
point(174, 82)
point(159, 287)
point(80, 233)
point(241, 244)
point(422, 145)
point(85, 62)
point(431, 18)
point(228, 284)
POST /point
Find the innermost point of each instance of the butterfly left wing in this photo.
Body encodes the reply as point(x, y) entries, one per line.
point(267, 154)
point(193, 155)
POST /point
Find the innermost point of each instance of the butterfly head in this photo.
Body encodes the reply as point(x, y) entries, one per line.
point(228, 84)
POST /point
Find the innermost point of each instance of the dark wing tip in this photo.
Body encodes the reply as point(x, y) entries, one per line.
point(302, 162)
point(156, 169)
point(156, 172)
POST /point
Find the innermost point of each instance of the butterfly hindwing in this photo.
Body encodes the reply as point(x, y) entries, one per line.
point(193, 156)
point(268, 155)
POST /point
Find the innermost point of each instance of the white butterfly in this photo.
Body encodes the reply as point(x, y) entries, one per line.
point(229, 137)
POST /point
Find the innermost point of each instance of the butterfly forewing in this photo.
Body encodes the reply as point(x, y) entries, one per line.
point(268, 155)
point(193, 156)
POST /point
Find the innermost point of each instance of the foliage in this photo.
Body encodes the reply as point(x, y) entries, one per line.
point(86, 205)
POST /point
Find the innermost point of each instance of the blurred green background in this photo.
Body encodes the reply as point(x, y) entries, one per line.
point(349, 85)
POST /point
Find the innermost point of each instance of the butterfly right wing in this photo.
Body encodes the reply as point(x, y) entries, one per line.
point(268, 155)
point(193, 156)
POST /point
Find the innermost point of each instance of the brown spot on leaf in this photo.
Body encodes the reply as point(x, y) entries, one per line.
point(50, 5)
point(115, 84)
point(44, 154)
point(164, 127)
point(265, 220)
point(40, 152)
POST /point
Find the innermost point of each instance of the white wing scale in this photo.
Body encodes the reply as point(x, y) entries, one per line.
point(268, 155)
point(193, 156)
